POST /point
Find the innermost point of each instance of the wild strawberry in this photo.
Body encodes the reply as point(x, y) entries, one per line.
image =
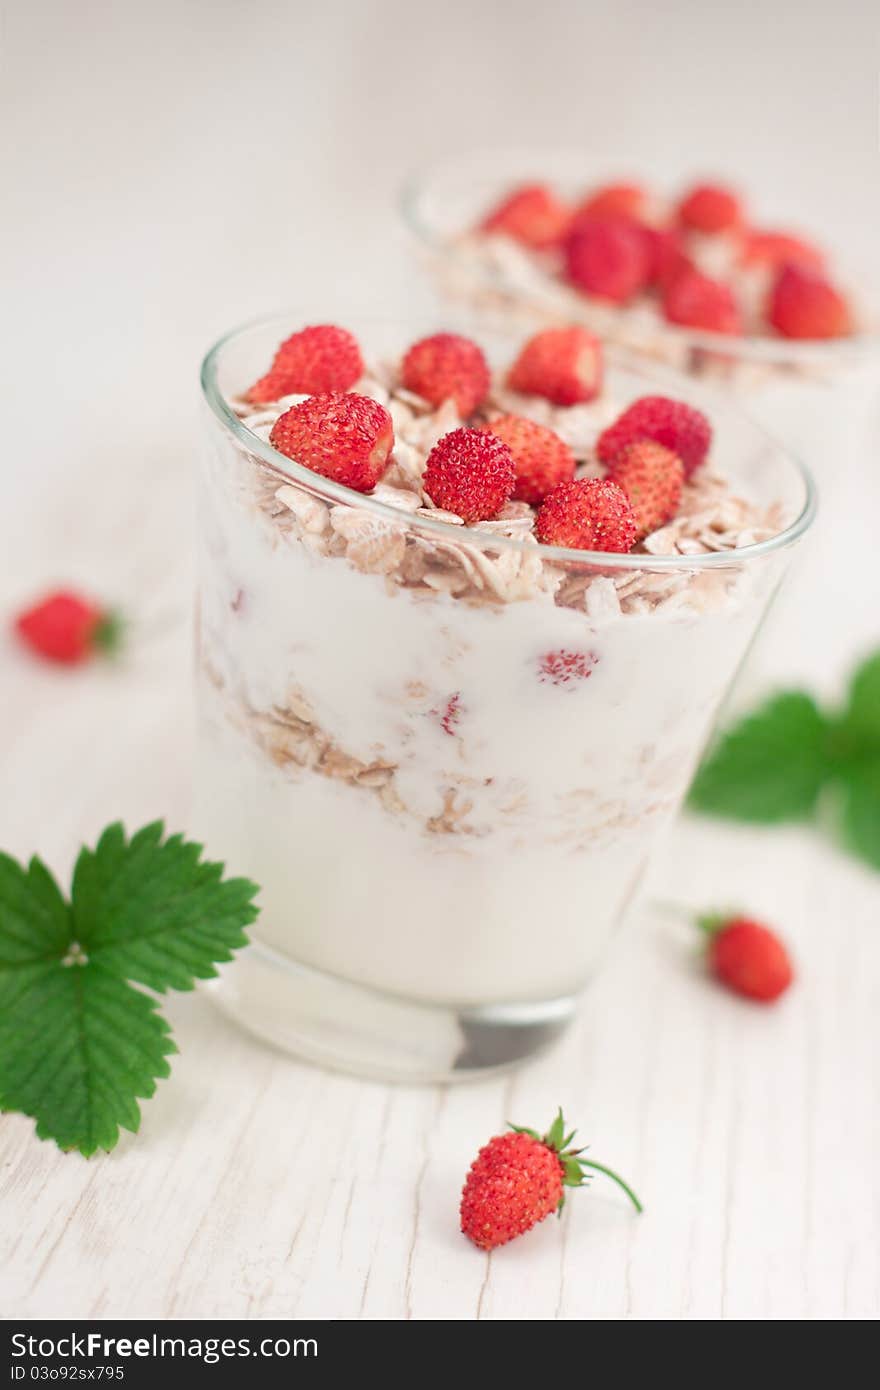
point(777, 249)
point(666, 253)
point(674, 424)
point(66, 628)
point(747, 956)
point(804, 304)
point(532, 215)
point(562, 364)
point(447, 367)
point(694, 300)
point(625, 200)
point(519, 1178)
point(588, 514)
point(318, 359)
point(709, 208)
point(566, 668)
point(652, 478)
point(345, 438)
point(608, 257)
point(541, 458)
point(471, 473)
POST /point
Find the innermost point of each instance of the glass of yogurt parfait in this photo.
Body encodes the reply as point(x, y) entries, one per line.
point(463, 632)
point(690, 280)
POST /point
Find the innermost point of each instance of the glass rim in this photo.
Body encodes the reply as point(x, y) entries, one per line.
point(484, 540)
point(752, 347)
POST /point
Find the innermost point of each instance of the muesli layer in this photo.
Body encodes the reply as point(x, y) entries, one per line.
point(711, 516)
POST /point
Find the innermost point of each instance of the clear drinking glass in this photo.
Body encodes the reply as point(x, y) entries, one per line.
point(446, 755)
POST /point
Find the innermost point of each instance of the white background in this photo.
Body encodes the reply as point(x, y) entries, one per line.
point(171, 169)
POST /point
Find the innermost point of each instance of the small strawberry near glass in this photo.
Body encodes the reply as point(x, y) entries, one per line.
point(520, 1178)
point(737, 950)
point(746, 955)
point(69, 629)
point(700, 260)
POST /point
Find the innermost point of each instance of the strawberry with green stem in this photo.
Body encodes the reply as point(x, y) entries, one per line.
point(520, 1177)
point(69, 629)
point(743, 954)
point(746, 956)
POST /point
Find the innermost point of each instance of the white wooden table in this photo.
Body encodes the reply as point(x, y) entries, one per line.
point(162, 193)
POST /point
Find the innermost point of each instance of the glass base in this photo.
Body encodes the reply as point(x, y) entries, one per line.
point(353, 1028)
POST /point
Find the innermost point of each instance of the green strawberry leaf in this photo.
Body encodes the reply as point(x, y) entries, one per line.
point(78, 1047)
point(154, 912)
point(770, 767)
point(34, 918)
point(857, 732)
point(79, 1044)
point(860, 813)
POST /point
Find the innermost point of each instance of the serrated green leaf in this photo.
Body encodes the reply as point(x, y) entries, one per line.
point(860, 815)
point(770, 767)
point(155, 912)
point(34, 918)
point(78, 1046)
